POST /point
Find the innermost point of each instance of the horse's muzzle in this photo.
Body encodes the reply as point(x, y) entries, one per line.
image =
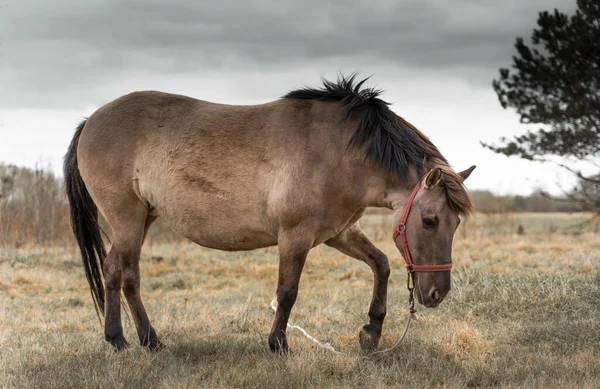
point(432, 299)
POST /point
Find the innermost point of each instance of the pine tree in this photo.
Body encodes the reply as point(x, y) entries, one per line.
point(555, 82)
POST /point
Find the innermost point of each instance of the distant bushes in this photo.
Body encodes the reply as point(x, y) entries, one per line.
point(33, 208)
point(486, 201)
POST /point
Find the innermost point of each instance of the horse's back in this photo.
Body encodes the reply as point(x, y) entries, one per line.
point(154, 127)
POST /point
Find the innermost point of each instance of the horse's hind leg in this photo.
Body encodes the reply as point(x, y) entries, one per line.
point(354, 243)
point(121, 269)
point(131, 289)
point(113, 330)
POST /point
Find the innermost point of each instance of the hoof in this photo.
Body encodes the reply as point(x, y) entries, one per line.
point(155, 345)
point(119, 343)
point(368, 338)
point(279, 346)
point(151, 341)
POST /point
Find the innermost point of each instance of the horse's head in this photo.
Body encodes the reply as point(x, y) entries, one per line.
point(425, 227)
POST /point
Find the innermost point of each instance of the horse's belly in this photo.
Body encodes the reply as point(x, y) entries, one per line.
point(218, 225)
point(233, 240)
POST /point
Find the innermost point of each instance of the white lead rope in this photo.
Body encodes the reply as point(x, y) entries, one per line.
point(327, 346)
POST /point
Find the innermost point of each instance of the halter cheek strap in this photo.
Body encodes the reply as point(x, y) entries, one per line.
point(401, 231)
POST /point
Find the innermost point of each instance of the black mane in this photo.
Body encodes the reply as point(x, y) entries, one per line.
point(389, 141)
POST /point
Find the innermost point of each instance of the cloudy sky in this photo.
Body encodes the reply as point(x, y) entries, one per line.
point(60, 60)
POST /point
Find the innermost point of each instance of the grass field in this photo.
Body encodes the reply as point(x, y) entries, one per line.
point(524, 311)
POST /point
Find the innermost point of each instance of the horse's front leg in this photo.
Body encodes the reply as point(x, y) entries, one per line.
point(293, 249)
point(354, 243)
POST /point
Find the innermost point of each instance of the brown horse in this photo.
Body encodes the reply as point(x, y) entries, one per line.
point(295, 172)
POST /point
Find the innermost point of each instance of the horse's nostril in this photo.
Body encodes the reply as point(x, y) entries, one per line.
point(436, 296)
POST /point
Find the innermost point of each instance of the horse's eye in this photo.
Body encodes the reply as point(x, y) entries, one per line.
point(429, 223)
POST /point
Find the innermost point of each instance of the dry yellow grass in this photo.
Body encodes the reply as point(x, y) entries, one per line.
point(524, 311)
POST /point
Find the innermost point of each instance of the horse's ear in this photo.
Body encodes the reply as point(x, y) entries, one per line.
point(466, 173)
point(433, 178)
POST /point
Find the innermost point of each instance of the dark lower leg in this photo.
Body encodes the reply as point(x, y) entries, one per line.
point(286, 297)
point(292, 255)
point(113, 330)
point(146, 333)
point(371, 333)
point(131, 289)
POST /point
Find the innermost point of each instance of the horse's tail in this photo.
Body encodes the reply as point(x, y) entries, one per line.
point(84, 221)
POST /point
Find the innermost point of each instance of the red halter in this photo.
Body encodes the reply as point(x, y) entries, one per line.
point(401, 230)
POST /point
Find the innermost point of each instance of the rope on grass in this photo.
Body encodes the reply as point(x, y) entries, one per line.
point(327, 346)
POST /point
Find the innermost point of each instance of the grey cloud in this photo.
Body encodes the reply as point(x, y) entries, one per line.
point(48, 48)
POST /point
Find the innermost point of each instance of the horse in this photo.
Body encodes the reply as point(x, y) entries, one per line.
point(295, 172)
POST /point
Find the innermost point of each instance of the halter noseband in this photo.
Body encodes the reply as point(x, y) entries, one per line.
point(401, 231)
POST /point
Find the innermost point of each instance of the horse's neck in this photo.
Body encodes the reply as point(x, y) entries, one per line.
point(398, 196)
point(384, 191)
